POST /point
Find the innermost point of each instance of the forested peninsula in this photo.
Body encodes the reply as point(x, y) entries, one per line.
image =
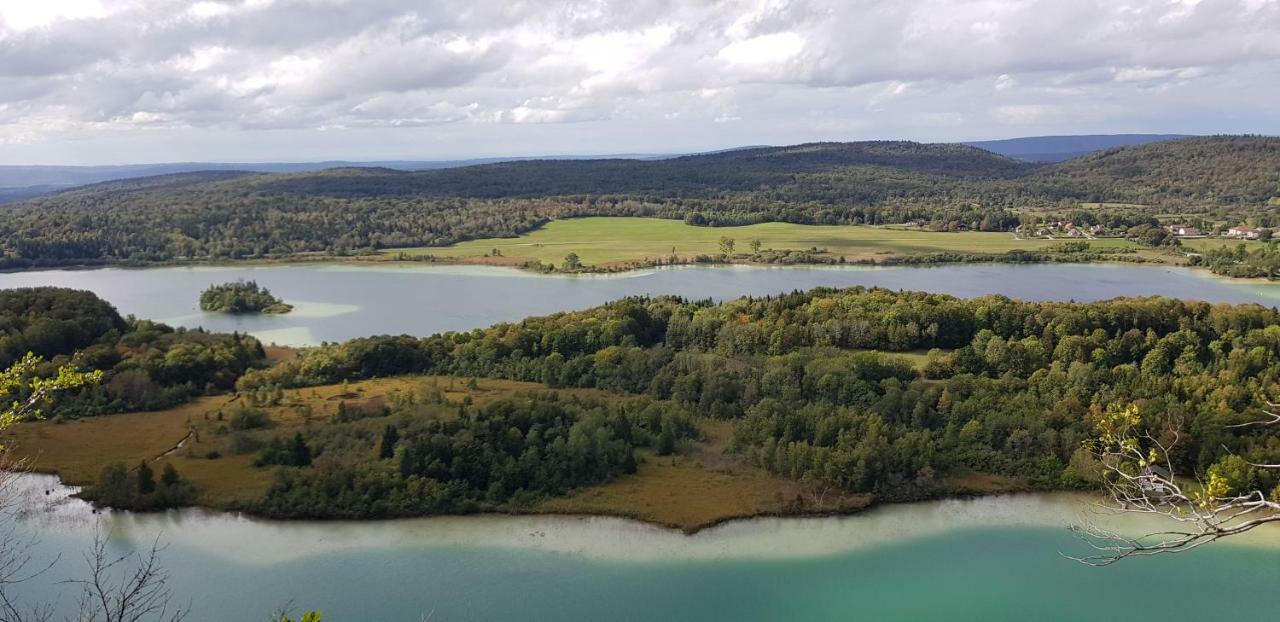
point(147, 365)
point(816, 401)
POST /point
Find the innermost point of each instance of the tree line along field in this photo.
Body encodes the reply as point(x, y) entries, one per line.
point(621, 240)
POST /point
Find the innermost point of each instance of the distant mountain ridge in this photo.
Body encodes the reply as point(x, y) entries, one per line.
point(1061, 148)
point(703, 175)
point(20, 182)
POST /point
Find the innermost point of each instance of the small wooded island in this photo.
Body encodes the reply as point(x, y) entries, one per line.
point(241, 297)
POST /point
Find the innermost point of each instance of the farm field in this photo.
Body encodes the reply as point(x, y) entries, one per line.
point(603, 241)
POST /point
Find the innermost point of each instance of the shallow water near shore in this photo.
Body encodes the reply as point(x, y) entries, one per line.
point(994, 558)
point(335, 302)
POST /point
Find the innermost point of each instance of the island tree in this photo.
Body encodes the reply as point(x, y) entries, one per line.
point(241, 297)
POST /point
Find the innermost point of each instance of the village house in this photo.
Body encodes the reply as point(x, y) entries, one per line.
point(1183, 230)
point(1250, 233)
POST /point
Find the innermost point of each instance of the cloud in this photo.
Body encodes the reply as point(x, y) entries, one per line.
point(1025, 114)
point(76, 69)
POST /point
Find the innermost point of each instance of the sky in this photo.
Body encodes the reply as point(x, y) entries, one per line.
point(137, 81)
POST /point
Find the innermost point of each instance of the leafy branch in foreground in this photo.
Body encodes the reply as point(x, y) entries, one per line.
point(29, 392)
point(126, 588)
point(285, 616)
point(1139, 477)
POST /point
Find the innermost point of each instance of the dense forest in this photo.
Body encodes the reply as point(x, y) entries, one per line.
point(229, 215)
point(425, 456)
point(1008, 387)
point(148, 365)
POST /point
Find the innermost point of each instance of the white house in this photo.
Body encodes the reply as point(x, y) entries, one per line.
point(1250, 233)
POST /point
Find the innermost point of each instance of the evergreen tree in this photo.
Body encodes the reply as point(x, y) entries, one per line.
point(301, 452)
point(407, 460)
point(146, 479)
point(169, 476)
point(389, 438)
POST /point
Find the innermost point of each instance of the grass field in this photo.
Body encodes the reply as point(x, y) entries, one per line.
point(604, 241)
point(701, 486)
point(1204, 244)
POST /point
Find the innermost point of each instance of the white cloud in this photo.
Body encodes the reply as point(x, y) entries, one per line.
point(1025, 114)
point(27, 14)
point(653, 72)
point(763, 51)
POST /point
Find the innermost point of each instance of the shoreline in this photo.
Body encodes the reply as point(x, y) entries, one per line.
point(615, 268)
point(620, 272)
point(62, 490)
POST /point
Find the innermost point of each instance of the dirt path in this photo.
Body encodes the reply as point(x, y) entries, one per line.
point(181, 443)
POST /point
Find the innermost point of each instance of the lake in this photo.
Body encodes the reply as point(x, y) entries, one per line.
point(990, 559)
point(335, 302)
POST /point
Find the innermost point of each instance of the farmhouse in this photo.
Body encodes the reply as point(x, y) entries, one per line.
point(1250, 233)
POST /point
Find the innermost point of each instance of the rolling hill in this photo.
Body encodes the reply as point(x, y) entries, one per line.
point(1060, 148)
point(229, 214)
point(703, 175)
point(1208, 170)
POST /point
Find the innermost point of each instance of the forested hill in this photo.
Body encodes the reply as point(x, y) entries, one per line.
point(785, 170)
point(216, 215)
point(1213, 169)
point(1059, 148)
point(154, 183)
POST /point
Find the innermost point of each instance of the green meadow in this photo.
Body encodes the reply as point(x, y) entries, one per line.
point(620, 240)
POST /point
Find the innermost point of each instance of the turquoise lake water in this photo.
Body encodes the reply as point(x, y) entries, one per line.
point(996, 558)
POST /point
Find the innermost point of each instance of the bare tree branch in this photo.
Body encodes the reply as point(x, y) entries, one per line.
point(132, 587)
point(1139, 478)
